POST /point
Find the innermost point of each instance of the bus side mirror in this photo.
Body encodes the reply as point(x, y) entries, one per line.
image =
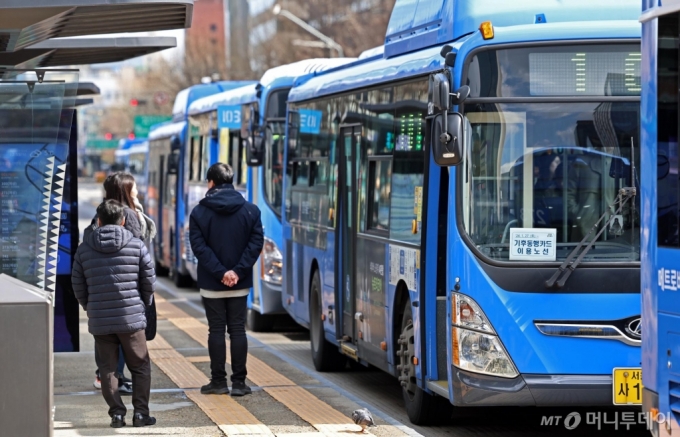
point(173, 163)
point(293, 130)
point(439, 92)
point(254, 145)
point(448, 139)
point(175, 143)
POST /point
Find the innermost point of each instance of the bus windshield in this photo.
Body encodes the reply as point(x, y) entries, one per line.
point(552, 162)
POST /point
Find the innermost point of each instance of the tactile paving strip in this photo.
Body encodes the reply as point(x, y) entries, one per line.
point(233, 419)
point(308, 407)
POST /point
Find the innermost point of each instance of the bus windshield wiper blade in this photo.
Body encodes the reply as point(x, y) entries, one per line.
point(568, 267)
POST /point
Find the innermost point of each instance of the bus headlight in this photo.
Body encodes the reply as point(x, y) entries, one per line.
point(476, 347)
point(272, 262)
point(481, 353)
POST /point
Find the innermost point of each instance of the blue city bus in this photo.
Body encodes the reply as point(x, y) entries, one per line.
point(659, 196)
point(465, 241)
point(166, 203)
point(222, 126)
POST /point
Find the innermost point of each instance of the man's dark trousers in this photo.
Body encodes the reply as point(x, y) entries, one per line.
point(137, 359)
point(229, 312)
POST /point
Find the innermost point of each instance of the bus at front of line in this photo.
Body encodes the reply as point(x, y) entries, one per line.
point(660, 197)
point(475, 284)
point(165, 202)
point(222, 126)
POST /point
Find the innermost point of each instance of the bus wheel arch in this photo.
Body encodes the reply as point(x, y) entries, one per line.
point(422, 408)
point(324, 354)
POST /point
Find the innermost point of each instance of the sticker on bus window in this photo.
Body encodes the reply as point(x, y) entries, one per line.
point(533, 244)
point(404, 265)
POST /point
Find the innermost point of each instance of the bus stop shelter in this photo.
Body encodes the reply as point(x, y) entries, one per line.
point(38, 138)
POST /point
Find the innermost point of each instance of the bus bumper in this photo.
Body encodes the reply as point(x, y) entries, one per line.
point(471, 389)
point(269, 301)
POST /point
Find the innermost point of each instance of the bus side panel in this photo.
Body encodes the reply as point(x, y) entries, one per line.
point(327, 266)
point(648, 234)
point(403, 266)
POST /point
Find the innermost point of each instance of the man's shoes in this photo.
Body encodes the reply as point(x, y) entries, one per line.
point(239, 388)
point(215, 388)
point(117, 421)
point(97, 383)
point(125, 389)
point(140, 419)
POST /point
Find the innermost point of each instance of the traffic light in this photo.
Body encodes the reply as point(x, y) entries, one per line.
point(134, 102)
point(108, 136)
point(131, 136)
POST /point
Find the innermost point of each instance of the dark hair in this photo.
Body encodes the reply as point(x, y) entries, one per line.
point(118, 186)
point(220, 173)
point(110, 212)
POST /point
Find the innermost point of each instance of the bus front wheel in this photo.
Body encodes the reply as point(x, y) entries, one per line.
point(324, 354)
point(422, 408)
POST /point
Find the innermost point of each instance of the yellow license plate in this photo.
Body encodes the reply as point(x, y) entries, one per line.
point(627, 389)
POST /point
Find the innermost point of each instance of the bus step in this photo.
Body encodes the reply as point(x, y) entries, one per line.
point(350, 350)
point(439, 387)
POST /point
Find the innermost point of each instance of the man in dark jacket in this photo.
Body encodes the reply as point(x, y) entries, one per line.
point(113, 279)
point(226, 237)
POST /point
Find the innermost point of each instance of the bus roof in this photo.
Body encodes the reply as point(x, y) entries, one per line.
point(417, 24)
point(281, 76)
point(428, 60)
point(654, 9)
point(166, 130)
point(189, 95)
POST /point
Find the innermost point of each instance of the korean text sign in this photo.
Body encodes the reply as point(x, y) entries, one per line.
point(532, 244)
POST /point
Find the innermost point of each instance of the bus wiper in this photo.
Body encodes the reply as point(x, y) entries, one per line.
point(567, 267)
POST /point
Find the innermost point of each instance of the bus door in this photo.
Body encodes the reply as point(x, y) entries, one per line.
point(346, 231)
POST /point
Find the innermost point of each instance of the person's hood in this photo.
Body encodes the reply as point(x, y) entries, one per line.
point(108, 239)
point(223, 199)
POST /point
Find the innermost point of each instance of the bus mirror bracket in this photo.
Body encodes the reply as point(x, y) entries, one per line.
point(448, 139)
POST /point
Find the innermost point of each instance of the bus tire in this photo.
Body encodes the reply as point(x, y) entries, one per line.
point(422, 408)
point(324, 354)
point(160, 270)
point(257, 322)
point(182, 281)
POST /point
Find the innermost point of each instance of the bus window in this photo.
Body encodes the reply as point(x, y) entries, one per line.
point(554, 165)
point(380, 178)
point(195, 163)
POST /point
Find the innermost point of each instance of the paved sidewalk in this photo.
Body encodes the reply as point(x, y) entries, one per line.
point(285, 401)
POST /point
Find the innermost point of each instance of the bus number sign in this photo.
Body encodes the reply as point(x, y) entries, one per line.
point(533, 244)
point(229, 117)
point(310, 121)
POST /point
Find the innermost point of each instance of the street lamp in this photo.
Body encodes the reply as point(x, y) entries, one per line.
point(328, 42)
